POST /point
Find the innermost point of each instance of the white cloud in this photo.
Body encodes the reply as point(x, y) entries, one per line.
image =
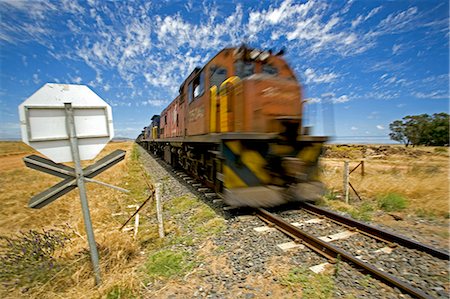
point(395, 49)
point(353, 128)
point(392, 80)
point(332, 98)
point(312, 100)
point(306, 25)
point(397, 22)
point(342, 99)
point(373, 12)
point(360, 19)
point(155, 103)
point(357, 21)
point(438, 94)
point(312, 77)
point(328, 95)
point(380, 127)
point(36, 79)
point(75, 79)
point(24, 61)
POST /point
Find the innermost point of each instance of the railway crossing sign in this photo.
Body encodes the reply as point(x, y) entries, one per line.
point(68, 123)
point(68, 174)
point(43, 121)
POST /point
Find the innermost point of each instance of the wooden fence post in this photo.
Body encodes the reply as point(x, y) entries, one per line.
point(136, 223)
point(346, 178)
point(159, 210)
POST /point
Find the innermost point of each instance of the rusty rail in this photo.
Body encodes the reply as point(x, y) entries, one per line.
point(376, 232)
point(330, 251)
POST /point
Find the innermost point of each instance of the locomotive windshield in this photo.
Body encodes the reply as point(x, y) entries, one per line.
point(269, 69)
point(218, 75)
point(244, 69)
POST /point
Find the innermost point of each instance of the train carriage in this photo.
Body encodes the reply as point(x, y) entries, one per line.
point(236, 125)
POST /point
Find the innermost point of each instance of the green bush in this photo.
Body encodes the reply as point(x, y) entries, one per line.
point(331, 195)
point(363, 212)
point(167, 263)
point(392, 202)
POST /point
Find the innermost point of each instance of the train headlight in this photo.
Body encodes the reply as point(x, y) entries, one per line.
point(254, 54)
point(264, 55)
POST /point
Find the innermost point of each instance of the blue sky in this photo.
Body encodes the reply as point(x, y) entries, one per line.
point(363, 64)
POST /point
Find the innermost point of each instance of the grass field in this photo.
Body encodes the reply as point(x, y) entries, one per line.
point(413, 183)
point(70, 275)
point(420, 176)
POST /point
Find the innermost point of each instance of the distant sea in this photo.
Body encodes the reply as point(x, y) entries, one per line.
point(361, 140)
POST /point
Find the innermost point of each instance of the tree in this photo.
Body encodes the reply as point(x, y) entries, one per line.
point(439, 135)
point(398, 129)
point(421, 129)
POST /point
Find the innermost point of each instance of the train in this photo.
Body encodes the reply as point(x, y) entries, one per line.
point(236, 126)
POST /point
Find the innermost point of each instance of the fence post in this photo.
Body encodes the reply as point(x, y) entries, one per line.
point(136, 223)
point(346, 178)
point(362, 168)
point(159, 210)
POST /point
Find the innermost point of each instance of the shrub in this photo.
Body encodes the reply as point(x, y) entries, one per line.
point(364, 212)
point(27, 258)
point(392, 202)
point(331, 195)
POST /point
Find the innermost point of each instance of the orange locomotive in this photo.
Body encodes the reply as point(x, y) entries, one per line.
point(236, 126)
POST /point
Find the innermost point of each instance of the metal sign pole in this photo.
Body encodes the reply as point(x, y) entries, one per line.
point(70, 122)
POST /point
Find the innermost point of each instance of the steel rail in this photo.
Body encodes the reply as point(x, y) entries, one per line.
point(328, 250)
point(377, 232)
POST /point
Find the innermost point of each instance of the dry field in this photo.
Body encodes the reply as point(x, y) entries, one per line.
point(71, 277)
point(410, 184)
point(420, 175)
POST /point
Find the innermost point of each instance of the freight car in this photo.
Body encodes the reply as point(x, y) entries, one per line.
point(236, 125)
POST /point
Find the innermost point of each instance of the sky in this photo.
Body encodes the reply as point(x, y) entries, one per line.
point(362, 64)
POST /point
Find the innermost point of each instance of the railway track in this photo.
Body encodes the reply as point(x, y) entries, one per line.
point(333, 253)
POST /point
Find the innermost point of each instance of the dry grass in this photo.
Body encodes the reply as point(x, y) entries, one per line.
point(119, 253)
point(125, 262)
point(423, 181)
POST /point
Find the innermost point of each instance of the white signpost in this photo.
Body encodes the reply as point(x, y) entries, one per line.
point(68, 123)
